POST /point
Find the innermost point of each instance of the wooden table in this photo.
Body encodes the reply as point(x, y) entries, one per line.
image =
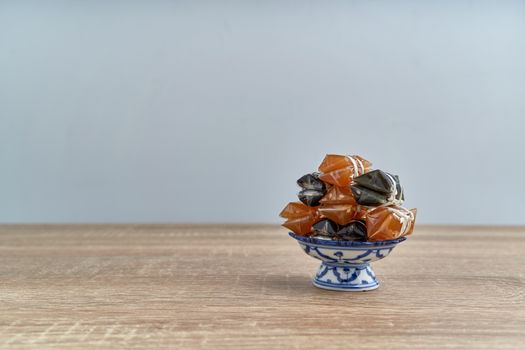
point(248, 287)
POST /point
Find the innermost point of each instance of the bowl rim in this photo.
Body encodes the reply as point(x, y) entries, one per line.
point(321, 241)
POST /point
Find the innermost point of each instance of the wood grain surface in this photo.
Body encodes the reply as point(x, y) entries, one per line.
point(249, 287)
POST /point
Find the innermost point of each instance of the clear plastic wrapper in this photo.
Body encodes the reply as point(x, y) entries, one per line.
point(311, 182)
point(354, 231)
point(377, 188)
point(313, 189)
point(300, 218)
point(339, 170)
point(310, 197)
point(390, 222)
point(339, 205)
point(325, 228)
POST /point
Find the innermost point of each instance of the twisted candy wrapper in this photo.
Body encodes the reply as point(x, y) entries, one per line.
point(389, 222)
point(339, 205)
point(300, 218)
point(313, 189)
point(339, 170)
point(354, 231)
point(376, 188)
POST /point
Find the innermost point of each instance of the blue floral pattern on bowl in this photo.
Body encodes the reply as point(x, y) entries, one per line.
point(346, 264)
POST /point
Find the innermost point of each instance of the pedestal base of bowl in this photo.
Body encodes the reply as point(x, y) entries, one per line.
point(347, 278)
point(346, 264)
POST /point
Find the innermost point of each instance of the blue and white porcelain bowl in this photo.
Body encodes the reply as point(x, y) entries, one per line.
point(345, 264)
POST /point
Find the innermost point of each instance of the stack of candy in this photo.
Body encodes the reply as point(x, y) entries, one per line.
point(347, 200)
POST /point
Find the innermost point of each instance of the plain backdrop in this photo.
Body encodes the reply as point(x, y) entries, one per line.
point(208, 111)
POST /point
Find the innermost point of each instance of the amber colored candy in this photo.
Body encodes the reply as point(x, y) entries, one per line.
point(361, 212)
point(341, 214)
point(339, 170)
point(295, 210)
point(300, 218)
point(338, 205)
point(338, 195)
point(338, 177)
point(391, 222)
point(300, 226)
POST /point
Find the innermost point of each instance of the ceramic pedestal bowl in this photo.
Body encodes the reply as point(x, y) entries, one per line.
point(345, 264)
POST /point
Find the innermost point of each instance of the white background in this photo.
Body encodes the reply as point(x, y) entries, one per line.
point(172, 111)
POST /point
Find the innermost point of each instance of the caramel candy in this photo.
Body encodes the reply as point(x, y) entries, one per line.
point(338, 195)
point(339, 213)
point(361, 212)
point(339, 170)
point(339, 205)
point(391, 222)
point(300, 218)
